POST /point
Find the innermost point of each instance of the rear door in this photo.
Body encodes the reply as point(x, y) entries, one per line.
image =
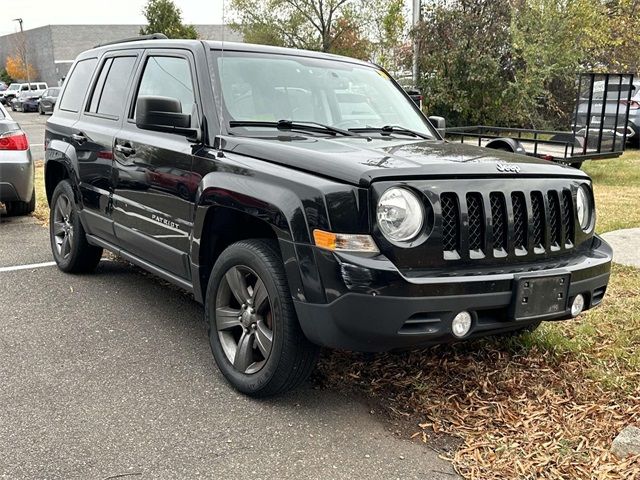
point(61, 133)
point(154, 188)
point(93, 137)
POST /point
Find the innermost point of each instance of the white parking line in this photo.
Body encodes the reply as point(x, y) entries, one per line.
point(26, 267)
point(37, 144)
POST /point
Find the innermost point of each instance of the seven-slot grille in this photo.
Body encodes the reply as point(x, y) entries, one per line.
point(515, 223)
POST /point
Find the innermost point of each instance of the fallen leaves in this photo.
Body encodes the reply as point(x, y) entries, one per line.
point(540, 406)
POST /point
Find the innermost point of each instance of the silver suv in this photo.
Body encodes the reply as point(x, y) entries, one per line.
point(17, 172)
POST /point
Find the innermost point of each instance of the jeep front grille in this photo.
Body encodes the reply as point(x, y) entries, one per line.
point(499, 220)
point(476, 225)
point(519, 221)
point(497, 224)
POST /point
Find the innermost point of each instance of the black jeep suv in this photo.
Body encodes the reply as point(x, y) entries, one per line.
point(305, 200)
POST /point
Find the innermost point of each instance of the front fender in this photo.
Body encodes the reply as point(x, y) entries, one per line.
point(280, 207)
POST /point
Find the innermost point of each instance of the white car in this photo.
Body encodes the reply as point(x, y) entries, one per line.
point(16, 88)
point(17, 183)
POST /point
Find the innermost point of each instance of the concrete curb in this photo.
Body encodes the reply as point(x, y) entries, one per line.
point(626, 246)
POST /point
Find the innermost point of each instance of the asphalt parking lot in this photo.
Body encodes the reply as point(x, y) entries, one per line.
point(110, 375)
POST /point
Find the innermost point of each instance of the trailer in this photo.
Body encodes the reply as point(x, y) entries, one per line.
point(599, 131)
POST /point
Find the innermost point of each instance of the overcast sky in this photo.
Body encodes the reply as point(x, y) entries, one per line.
point(36, 13)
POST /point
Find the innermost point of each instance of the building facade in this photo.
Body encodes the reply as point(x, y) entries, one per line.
point(52, 49)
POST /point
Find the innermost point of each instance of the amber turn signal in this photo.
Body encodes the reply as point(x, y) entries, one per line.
point(345, 242)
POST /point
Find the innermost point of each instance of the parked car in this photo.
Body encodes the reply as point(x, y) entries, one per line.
point(613, 107)
point(27, 101)
point(48, 100)
point(3, 86)
point(11, 91)
point(310, 225)
point(17, 183)
point(15, 88)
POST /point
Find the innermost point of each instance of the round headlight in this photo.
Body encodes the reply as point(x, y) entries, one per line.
point(583, 207)
point(400, 215)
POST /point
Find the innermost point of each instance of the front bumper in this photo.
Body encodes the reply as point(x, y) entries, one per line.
point(374, 307)
point(16, 176)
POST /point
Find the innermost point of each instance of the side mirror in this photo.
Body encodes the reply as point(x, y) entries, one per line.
point(163, 114)
point(440, 124)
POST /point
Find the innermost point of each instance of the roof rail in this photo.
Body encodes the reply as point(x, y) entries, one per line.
point(153, 36)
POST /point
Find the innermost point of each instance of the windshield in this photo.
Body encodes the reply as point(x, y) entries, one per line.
point(14, 86)
point(268, 88)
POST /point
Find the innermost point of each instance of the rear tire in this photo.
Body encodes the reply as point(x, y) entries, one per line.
point(40, 110)
point(69, 245)
point(248, 301)
point(15, 209)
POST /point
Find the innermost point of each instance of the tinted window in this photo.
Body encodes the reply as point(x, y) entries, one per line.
point(168, 77)
point(93, 107)
point(110, 91)
point(54, 92)
point(77, 85)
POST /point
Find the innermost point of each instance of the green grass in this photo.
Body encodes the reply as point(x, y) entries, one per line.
point(606, 338)
point(616, 186)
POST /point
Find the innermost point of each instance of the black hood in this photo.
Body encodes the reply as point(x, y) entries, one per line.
point(360, 162)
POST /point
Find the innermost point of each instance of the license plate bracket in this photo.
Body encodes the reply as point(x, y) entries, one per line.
point(539, 296)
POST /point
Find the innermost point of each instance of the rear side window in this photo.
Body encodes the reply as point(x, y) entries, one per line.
point(77, 85)
point(110, 91)
point(168, 77)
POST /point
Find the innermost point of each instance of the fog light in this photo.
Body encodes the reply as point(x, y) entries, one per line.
point(461, 324)
point(577, 306)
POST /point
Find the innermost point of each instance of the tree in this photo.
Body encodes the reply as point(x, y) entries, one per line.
point(5, 77)
point(515, 62)
point(164, 17)
point(619, 42)
point(16, 68)
point(466, 60)
point(388, 25)
point(308, 24)
point(351, 43)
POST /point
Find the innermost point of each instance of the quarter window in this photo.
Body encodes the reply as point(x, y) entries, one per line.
point(77, 85)
point(111, 88)
point(168, 77)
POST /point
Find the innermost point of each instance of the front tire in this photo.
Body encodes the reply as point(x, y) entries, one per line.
point(254, 333)
point(69, 245)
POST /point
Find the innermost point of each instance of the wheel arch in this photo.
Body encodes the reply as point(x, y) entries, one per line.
point(59, 166)
point(240, 208)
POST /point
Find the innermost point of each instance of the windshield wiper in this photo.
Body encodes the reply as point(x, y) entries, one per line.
point(288, 125)
point(388, 129)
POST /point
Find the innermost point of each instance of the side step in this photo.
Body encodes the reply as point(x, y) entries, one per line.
point(129, 257)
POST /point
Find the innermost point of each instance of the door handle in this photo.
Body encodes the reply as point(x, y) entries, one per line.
point(79, 137)
point(125, 150)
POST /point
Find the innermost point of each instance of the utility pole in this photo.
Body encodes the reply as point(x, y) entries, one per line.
point(416, 46)
point(25, 57)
